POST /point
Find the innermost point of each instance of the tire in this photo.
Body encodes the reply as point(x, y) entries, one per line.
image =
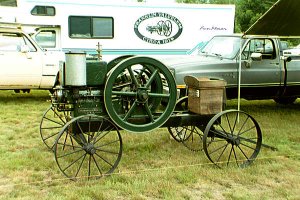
point(285, 100)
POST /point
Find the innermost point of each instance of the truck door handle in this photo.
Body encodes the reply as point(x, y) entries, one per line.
point(274, 63)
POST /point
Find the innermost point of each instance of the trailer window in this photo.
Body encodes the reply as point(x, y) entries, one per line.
point(90, 27)
point(43, 11)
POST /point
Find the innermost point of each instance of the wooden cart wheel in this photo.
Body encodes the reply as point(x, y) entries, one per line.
point(52, 122)
point(133, 93)
point(232, 137)
point(88, 146)
point(190, 136)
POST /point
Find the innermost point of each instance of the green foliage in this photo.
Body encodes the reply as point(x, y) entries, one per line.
point(246, 13)
point(8, 2)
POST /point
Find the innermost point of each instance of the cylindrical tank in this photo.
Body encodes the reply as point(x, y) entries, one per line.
point(75, 69)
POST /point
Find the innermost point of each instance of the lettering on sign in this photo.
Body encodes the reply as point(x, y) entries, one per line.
point(212, 28)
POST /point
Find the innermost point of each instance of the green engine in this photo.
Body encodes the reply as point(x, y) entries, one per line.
point(129, 91)
point(81, 85)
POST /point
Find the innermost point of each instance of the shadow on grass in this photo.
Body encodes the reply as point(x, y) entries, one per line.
point(9, 96)
point(264, 106)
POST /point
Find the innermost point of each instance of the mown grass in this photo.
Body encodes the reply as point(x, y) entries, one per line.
point(152, 166)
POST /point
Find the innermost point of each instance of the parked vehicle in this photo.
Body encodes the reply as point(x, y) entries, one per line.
point(24, 65)
point(265, 72)
point(122, 28)
point(293, 51)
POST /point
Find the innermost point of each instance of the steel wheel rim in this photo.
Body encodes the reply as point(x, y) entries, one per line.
point(234, 142)
point(93, 152)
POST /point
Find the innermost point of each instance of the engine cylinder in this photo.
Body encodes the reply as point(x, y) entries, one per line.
point(75, 69)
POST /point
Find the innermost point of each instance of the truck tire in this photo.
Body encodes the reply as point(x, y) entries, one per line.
point(285, 100)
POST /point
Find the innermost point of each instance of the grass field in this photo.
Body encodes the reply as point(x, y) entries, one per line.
point(153, 166)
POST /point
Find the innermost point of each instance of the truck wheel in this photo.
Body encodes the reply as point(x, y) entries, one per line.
point(285, 100)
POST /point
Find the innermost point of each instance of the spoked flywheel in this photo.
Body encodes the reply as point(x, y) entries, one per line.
point(52, 122)
point(232, 137)
point(88, 146)
point(133, 93)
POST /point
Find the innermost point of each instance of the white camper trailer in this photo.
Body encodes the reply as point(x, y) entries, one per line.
point(123, 28)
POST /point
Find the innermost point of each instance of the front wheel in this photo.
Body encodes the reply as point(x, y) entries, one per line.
point(88, 146)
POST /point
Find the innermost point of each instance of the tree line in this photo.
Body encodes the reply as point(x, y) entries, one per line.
point(246, 11)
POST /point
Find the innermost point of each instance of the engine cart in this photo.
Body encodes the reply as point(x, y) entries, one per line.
point(95, 100)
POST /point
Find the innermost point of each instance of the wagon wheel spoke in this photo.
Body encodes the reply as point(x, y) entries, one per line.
point(193, 138)
point(149, 113)
point(97, 166)
point(51, 124)
point(236, 129)
point(131, 110)
point(159, 95)
point(120, 86)
point(190, 136)
point(122, 93)
point(133, 77)
point(151, 79)
point(96, 149)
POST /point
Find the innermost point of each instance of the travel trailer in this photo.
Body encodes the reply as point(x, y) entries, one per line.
point(115, 28)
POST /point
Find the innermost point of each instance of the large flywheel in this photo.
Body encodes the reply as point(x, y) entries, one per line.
point(134, 91)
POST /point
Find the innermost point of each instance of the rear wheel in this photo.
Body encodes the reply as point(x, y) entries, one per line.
point(232, 138)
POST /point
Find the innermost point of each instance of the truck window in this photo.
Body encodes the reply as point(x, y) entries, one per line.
point(263, 46)
point(91, 27)
point(46, 38)
point(226, 47)
point(14, 42)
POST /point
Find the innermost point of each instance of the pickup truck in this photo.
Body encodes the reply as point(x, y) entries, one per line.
point(24, 65)
point(265, 72)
